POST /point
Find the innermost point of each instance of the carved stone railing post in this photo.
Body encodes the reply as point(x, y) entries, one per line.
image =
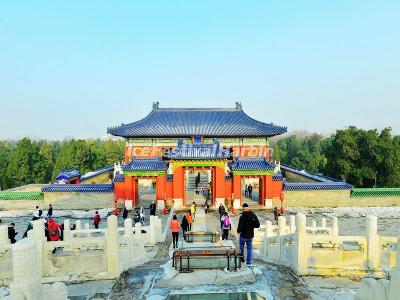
point(300, 246)
point(112, 238)
point(26, 282)
point(373, 250)
point(4, 235)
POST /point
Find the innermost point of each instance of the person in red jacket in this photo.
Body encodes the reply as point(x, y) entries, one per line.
point(54, 230)
point(96, 220)
point(175, 227)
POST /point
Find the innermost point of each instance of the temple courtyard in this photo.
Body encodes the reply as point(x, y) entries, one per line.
point(154, 280)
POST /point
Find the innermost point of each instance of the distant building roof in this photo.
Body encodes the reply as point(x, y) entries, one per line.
point(68, 174)
point(78, 188)
point(312, 186)
point(145, 164)
point(247, 164)
point(212, 122)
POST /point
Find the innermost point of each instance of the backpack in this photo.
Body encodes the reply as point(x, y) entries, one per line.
point(227, 222)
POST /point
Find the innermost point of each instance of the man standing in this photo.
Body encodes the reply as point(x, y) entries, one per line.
point(247, 222)
point(250, 191)
point(153, 209)
point(193, 210)
point(12, 233)
point(96, 220)
point(50, 211)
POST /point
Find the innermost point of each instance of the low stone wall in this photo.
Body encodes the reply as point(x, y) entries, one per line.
point(321, 251)
point(105, 177)
point(79, 200)
point(84, 254)
point(333, 198)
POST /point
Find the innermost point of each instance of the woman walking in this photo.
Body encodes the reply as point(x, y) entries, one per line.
point(226, 226)
point(189, 219)
point(175, 227)
point(184, 225)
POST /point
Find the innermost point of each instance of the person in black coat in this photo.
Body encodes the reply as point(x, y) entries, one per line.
point(125, 213)
point(50, 211)
point(153, 208)
point(12, 233)
point(184, 225)
point(247, 222)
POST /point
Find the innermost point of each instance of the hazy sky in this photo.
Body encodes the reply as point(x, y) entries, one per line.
point(72, 69)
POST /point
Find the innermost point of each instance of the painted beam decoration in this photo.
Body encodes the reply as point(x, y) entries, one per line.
point(198, 163)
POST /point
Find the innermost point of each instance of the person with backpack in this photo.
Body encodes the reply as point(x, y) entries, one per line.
point(276, 214)
point(227, 225)
point(175, 227)
point(96, 220)
point(247, 222)
point(54, 230)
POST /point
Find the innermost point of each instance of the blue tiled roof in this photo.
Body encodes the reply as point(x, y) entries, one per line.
point(213, 122)
point(251, 164)
point(312, 186)
point(309, 175)
point(145, 164)
point(97, 172)
point(277, 177)
point(199, 151)
point(119, 178)
point(68, 174)
point(78, 188)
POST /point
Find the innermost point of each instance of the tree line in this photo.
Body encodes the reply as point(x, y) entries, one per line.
point(26, 161)
point(363, 158)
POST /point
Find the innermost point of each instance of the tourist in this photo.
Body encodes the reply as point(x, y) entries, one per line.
point(221, 211)
point(276, 214)
point(125, 213)
point(142, 215)
point(30, 226)
point(226, 226)
point(37, 213)
point(193, 210)
point(165, 211)
point(12, 233)
point(246, 190)
point(281, 211)
point(175, 227)
point(250, 191)
point(184, 225)
point(247, 222)
point(54, 230)
point(136, 217)
point(50, 211)
point(189, 219)
point(209, 191)
point(115, 212)
point(153, 208)
point(96, 220)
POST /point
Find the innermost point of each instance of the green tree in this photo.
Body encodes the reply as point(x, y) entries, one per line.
point(22, 159)
point(4, 157)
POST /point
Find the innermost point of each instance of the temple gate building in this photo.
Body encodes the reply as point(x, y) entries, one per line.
point(187, 152)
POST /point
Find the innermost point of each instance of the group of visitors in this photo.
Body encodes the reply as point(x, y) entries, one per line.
point(248, 191)
point(186, 224)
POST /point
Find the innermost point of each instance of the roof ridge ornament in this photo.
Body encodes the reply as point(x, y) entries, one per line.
point(156, 105)
point(238, 105)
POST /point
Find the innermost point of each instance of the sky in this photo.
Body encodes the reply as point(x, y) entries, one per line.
point(74, 68)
